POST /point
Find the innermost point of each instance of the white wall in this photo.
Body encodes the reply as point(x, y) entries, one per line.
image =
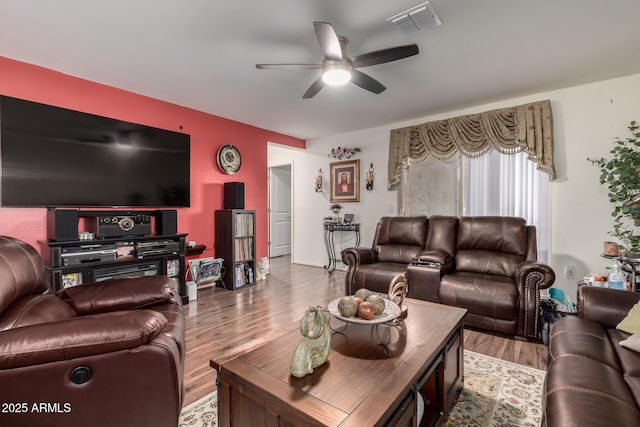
point(586, 120)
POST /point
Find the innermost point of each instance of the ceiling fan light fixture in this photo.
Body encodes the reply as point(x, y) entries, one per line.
point(336, 74)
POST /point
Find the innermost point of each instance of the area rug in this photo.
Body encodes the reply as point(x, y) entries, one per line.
point(201, 413)
point(496, 393)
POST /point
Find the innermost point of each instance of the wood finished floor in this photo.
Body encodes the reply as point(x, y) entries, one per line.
point(220, 324)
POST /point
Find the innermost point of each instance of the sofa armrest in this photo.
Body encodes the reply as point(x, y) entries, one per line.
point(78, 337)
point(605, 306)
point(531, 277)
point(359, 255)
point(118, 294)
point(537, 273)
point(353, 258)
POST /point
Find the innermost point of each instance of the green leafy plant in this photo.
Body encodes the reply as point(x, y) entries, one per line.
point(335, 207)
point(621, 175)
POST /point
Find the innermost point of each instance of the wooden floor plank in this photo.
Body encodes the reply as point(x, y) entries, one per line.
point(221, 324)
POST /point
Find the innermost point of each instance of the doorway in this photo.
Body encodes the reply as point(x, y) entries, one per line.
point(280, 211)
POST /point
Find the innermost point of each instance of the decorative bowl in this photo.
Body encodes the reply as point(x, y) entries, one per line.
point(391, 311)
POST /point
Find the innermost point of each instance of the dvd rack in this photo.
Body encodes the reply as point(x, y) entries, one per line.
point(236, 245)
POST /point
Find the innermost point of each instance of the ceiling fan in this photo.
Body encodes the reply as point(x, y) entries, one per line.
point(338, 68)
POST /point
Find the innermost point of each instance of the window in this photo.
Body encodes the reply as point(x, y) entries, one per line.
point(493, 184)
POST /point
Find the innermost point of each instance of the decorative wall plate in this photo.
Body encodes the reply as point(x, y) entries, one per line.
point(229, 159)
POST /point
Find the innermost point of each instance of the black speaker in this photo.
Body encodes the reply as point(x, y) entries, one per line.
point(166, 222)
point(62, 225)
point(234, 195)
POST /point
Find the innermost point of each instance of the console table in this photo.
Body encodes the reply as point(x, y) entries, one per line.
point(628, 265)
point(329, 230)
point(72, 263)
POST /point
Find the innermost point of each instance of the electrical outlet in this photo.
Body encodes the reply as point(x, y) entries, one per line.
point(570, 272)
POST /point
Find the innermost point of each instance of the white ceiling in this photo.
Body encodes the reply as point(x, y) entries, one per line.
point(202, 53)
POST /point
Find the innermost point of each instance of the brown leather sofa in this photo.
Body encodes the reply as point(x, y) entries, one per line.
point(591, 379)
point(486, 264)
point(105, 354)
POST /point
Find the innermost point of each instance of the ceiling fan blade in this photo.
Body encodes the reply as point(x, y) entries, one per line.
point(384, 55)
point(367, 82)
point(288, 66)
point(314, 88)
point(328, 40)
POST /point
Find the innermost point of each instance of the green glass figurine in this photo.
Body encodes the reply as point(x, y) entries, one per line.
point(313, 349)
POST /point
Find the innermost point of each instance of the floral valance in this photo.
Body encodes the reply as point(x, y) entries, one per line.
point(527, 127)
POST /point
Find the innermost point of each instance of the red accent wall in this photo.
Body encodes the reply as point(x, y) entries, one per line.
point(208, 133)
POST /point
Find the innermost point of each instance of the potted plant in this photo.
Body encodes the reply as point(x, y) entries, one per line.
point(335, 208)
point(621, 175)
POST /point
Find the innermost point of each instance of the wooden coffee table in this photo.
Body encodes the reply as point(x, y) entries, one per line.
point(374, 376)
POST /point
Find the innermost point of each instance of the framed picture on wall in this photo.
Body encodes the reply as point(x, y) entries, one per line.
point(345, 181)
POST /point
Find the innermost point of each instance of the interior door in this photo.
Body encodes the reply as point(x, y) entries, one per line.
point(280, 211)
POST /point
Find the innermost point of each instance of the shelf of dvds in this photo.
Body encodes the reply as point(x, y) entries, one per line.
point(236, 245)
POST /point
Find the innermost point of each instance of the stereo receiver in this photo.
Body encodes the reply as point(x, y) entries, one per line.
point(120, 225)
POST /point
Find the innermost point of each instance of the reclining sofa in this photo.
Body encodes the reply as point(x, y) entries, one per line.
point(102, 354)
point(486, 264)
point(591, 379)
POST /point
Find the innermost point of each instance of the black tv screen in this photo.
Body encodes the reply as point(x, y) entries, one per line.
point(53, 156)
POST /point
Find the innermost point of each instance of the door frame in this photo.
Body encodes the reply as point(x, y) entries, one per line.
point(269, 174)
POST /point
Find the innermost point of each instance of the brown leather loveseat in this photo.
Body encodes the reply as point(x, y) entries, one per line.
point(104, 354)
point(592, 380)
point(486, 264)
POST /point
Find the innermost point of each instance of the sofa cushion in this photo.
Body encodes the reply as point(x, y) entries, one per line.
point(403, 230)
point(573, 336)
point(493, 233)
point(118, 294)
point(581, 391)
point(398, 253)
point(632, 343)
point(400, 239)
point(22, 271)
point(629, 359)
point(631, 323)
point(485, 295)
point(491, 245)
point(34, 309)
point(443, 234)
point(487, 262)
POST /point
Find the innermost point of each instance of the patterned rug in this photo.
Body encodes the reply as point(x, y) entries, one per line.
point(496, 393)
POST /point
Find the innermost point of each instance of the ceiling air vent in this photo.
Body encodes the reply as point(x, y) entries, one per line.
point(415, 19)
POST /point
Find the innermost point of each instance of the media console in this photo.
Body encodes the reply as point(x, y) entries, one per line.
point(121, 245)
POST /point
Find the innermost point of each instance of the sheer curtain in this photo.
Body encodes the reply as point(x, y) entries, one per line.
point(508, 185)
point(431, 188)
point(493, 184)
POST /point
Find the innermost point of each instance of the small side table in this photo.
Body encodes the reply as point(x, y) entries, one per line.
point(329, 230)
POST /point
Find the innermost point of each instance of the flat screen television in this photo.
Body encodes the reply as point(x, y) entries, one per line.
point(53, 156)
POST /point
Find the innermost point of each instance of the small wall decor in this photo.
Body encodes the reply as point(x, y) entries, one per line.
point(345, 181)
point(368, 178)
point(318, 181)
point(343, 152)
